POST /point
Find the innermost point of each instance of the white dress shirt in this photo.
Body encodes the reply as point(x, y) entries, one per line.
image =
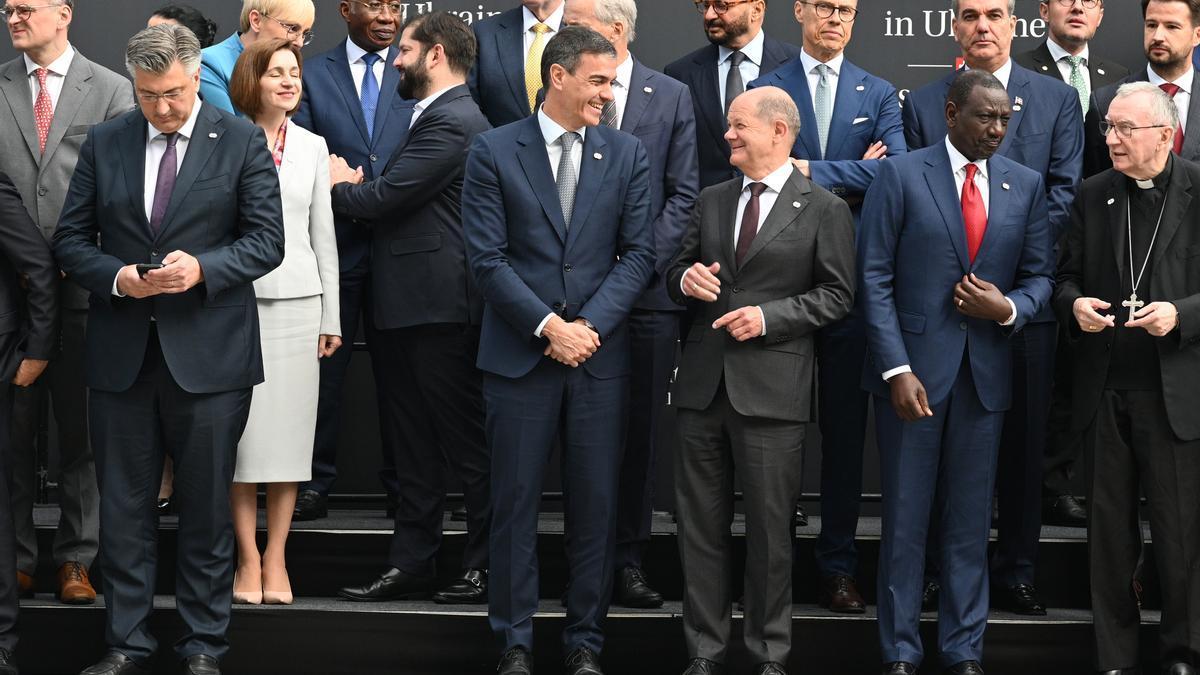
point(750, 65)
point(1184, 98)
point(423, 105)
point(358, 67)
point(620, 88)
point(1064, 68)
point(554, 21)
point(551, 131)
point(57, 73)
point(814, 78)
point(1002, 74)
point(958, 165)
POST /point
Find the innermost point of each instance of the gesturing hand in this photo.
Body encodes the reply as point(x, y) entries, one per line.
point(743, 324)
point(701, 282)
point(1091, 321)
point(908, 397)
point(570, 343)
point(1158, 318)
point(340, 172)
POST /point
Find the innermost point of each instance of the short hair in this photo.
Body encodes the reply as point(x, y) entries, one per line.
point(191, 18)
point(775, 104)
point(244, 89)
point(624, 11)
point(966, 81)
point(269, 7)
point(449, 31)
point(1012, 7)
point(569, 44)
point(1192, 5)
point(156, 49)
point(1162, 107)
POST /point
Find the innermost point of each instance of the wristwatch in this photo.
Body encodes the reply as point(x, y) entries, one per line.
point(589, 325)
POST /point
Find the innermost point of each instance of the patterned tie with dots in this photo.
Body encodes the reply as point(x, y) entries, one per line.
point(43, 109)
point(533, 63)
point(1079, 81)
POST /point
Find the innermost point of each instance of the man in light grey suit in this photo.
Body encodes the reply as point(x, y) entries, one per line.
point(769, 257)
point(53, 95)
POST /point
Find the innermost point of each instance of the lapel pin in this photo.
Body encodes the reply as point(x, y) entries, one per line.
point(648, 90)
point(1100, 71)
point(1045, 67)
point(598, 156)
point(212, 134)
point(795, 205)
point(1004, 185)
point(860, 88)
point(1016, 107)
point(1111, 201)
point(1019, 101)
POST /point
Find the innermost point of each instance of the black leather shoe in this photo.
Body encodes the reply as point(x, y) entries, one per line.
point(1064, 511)
point(200, 664)
point(115, 663)
point(965, 668)
point(633, 591)
point(840, 594)
point(8, 664)
point(899, 668)
point(469, 589)
point(770, 668)
point(310, 505)
point(699, 666)
point(1120, 671)
point(583, 661)
point(1181, 669)
point(391, 585)
point(516, 661)
point(800, 516)
point(459, 515)
point(929, 597)
point(1020, 599)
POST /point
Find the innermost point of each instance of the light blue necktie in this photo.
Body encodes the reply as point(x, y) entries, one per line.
point(369, 98)
point(823, 106)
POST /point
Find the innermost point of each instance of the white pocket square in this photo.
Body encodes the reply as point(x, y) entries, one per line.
point(859, 120)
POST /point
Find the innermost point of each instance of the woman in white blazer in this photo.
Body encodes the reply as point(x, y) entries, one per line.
point(298, 317)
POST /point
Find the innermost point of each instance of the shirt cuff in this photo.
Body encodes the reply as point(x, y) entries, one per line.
point(116, 291)
point(538, 332)
point(889, 374)
point(762, 316)
point(681, 279)
point(1012, 318)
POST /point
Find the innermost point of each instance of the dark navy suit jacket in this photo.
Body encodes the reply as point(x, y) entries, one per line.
point(527, 263)
point(698, 71)
point(330, 108)
point(498, 79)
point(912, 251)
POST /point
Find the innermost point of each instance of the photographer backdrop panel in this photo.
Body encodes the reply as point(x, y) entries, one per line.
point(908, 42)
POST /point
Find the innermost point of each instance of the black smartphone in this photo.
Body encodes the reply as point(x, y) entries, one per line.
point(142, 268)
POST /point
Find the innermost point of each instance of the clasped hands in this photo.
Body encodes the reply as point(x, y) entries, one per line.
point(340, 172)
point(179, 273)
point(701, 282)
point(1156, 318)
point(570, 343)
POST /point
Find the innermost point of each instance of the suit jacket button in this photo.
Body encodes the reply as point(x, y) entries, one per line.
point(374, 158)
point(557, 306)
point(736, 289)
point(154, 253)
point(567, 267)
point(962, 326)
point(42, 191)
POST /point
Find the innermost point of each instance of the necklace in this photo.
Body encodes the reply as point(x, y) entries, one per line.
point(1133, 303)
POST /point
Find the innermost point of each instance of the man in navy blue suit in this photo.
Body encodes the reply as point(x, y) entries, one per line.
point(1045, 134)
point(850, 120)
point(350, 99)
point(735, 35)
point(556, 212)
point(658, 110)
point(507, 75)
point(955, 255)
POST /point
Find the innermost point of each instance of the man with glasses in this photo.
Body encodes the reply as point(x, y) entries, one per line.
point(850, 120)
point(54, 95)
point(738, 53)
point(1134, 328)
point(285, 19)
point(507, 77)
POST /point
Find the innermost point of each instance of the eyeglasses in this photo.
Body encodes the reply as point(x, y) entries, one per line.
point(1124, 129)
point(293, 30)
point(22, 12)
point(1087, 4)
point(173, 96)
point(825, 10)
point(718, 6)
point(377, 7)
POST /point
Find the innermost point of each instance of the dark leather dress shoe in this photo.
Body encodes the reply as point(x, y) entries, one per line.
point(965, 668)
point(899, 668)
point(516, 661)
point(8, 663)
point(200, 664)
point(469, 589)
point(770, 668)
point(1181, 669)
point(115, 663)
point(800, 516)
point(699, 666)
point(310, 505)
point(583, 661)
point(1120, 671)
point(929, 597)
point(1020, 599)
point(1064, 511)
point(633, 591)
point(840, 594)
point(393, 584)
point(459, 515)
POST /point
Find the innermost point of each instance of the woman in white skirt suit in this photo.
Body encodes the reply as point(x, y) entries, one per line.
point(298, 317)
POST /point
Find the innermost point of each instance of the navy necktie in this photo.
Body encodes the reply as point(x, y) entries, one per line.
point(369, 97)
point(165, 184)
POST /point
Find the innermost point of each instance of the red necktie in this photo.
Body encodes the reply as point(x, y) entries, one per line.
point(1171, 90)
point(749, 222)
point(974, 215)
point(43, 109)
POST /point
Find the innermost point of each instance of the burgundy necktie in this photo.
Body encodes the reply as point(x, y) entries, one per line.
point(165, 185)
point(1172, 89)
point(749, 222)
point(974, 215)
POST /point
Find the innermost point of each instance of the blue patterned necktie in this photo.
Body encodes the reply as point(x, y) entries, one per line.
point(369, 98)
point(823, 105)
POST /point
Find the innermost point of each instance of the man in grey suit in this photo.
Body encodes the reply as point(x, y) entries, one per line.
point(771, 257)
point(54, 95)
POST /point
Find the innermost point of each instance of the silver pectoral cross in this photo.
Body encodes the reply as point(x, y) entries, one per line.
point(1133, 304)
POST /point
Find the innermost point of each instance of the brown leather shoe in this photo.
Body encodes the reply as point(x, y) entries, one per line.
point(24, 585)
point(840, 594)
point(73, 585)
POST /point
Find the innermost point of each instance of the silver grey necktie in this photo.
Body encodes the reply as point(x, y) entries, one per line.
point(566, 178)
point(733, 81)
point(823, 105)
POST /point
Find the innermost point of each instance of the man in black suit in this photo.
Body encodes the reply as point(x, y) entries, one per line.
point(735, 34)
point(769, 277)
point(507, 75)
point(658, 110)
point(426, 313)
point(28, 336)
point(190, 192)
point(1129, 292)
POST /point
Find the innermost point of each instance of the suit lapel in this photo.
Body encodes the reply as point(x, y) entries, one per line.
point(1191, 141)
point(133, 164)
point(998, 201)
point(639, 97)
point(1046, 64)
point(536, 165)
point(1118, 208)
point(75, 90)
point(510, 44)
point(387, 92)
point(205, 136)
point(1179, 198)
point(790, 203)
point(343, 79)
point(1017, 82)
point(794, 81)
point(592, 168)
point(726, 213)
point(850, 91)
point(15, 85)
point(709, 92)
point(945, 194)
